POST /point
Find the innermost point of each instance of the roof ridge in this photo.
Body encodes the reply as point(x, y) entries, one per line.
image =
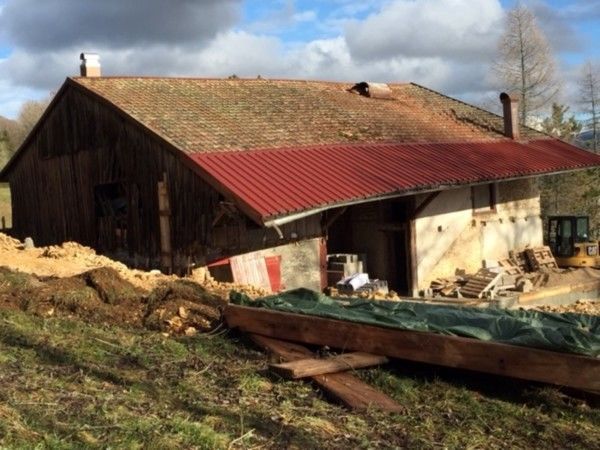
point(240, 79)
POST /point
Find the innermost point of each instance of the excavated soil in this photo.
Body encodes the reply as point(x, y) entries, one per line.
point(103, 296)
point(69, 259)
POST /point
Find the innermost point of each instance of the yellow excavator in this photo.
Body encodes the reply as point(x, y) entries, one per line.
point(568, 238)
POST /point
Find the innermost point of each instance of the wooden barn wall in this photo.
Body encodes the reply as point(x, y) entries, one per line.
point(84, 143)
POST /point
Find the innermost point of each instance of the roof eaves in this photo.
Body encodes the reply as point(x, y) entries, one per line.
point(281, 219)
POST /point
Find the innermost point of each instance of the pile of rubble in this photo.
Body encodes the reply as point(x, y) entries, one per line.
point(583, 306)
point(522, 271)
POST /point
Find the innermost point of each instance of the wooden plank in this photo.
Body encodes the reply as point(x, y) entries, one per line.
point(342, 386)
point(526, 363)
point(303, 368)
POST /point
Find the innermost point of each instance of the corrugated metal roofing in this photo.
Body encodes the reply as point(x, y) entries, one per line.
point(281, 182)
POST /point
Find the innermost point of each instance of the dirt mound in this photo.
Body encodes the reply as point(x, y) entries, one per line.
point(99, 295)
point(183, 306)
point(8, 243)
point(69, 259)
point(103, 296)
point(111, 288)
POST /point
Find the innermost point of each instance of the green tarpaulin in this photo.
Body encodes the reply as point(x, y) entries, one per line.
point(572, 333)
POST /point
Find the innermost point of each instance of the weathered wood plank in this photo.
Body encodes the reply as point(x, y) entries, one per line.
point(303, 368)
point(526, 363)
point(343, 386)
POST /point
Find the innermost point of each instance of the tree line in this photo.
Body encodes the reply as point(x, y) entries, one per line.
point(14, 132)
point(527, 66)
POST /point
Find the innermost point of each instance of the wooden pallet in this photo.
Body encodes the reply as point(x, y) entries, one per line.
point(540, 258)
point(511, 266)
point(480, 283)
point(519, 259)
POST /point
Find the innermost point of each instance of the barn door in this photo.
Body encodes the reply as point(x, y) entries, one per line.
point(113, 216)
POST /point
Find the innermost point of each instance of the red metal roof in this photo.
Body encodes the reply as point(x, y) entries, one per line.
point(269, 184)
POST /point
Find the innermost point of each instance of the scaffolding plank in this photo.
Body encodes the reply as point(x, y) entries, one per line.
point(526, 363)
point(342, 386)
point(303, 368)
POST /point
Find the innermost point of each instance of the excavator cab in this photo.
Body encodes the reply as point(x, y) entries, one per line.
point(568, 238)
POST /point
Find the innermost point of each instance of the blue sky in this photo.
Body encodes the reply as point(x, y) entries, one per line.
point(447, 45)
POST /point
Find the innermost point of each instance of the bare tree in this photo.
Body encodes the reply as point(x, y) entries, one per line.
point(589, 85)
point(526, 62)
point(29, 114)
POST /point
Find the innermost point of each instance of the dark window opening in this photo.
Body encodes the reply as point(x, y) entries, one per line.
point(483, 198)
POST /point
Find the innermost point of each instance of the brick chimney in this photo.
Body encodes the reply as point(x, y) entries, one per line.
point(510, 108)
point(90, 65)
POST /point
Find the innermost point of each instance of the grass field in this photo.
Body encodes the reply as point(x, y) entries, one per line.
point(68, 384)
point(5, 209)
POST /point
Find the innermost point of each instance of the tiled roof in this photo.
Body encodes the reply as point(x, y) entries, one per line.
point(206, 115)
point(270, 184)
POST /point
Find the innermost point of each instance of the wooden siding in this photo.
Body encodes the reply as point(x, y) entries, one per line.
point(85, 143)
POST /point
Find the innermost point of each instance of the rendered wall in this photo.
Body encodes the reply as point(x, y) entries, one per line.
point(450, 236)
point(300, 263)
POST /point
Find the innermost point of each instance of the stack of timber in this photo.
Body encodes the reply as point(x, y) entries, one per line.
point(447, 287)
point(563, 369)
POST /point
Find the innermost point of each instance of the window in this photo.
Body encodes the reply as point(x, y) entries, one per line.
point(483, 198)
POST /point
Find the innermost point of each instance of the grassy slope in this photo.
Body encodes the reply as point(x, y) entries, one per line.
point(5, 204)
point(66, 384)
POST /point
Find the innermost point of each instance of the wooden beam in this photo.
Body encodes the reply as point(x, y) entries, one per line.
point(343, 386)
point(164, 213)
point(425, 203)
point(303, 368)
point(565, 369)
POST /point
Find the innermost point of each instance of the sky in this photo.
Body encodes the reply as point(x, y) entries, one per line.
point(447, 45)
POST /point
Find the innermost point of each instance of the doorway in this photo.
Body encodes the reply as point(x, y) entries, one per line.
point(111, 203)
point(379, 232)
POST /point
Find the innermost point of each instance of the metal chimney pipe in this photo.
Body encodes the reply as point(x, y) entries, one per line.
point(90, 65)
point(510, 108)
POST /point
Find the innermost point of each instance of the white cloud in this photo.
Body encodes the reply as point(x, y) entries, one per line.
point(444, 44)
point(453, 29)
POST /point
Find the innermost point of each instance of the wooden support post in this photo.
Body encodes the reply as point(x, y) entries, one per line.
point(164, 213)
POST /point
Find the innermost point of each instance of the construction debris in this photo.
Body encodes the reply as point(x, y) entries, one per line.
point(522, 272)
point(343, 265)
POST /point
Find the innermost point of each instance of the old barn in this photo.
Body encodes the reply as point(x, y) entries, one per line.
point(176, 172)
